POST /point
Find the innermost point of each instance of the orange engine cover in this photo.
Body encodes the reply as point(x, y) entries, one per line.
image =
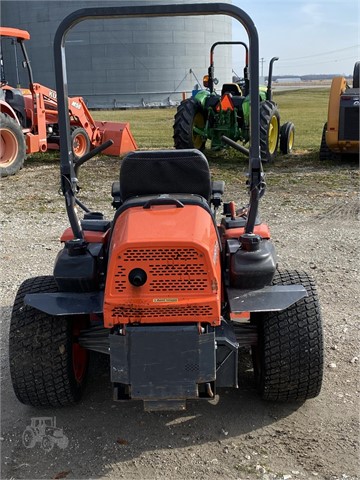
point(178, 249)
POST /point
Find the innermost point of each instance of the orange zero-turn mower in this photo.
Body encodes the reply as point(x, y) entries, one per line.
point(168, 293)
point(29, 120)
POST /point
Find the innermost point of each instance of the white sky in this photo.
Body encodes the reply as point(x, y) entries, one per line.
point(309, 37)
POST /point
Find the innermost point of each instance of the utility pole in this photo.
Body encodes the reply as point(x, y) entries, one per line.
point(262, 61)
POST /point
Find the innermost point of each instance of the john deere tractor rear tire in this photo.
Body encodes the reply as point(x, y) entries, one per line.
point(269, 130)
point(287, 137)
point(289, 360)
point(12, 146)
point(189, 115)
point(48, 367)
point(80, 142)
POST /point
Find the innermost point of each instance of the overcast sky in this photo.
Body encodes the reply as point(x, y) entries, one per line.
point(309, 37)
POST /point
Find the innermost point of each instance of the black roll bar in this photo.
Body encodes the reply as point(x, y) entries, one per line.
point(68, 177)
point(211, 71)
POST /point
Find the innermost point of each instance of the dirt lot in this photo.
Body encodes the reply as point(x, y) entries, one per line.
point(313, 212)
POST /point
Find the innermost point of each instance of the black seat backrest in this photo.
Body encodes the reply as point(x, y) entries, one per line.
point(165, 171)
point(232, 88)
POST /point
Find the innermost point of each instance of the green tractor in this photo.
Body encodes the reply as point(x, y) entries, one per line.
point(220, 118)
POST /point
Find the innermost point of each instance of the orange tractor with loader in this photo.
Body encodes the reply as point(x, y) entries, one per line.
point(29, 120)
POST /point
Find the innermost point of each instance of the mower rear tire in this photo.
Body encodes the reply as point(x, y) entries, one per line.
point(290, 346)
point(80, 142)
point(189, 115)
point(48, 367)
point(269, 130)
point(287, 137)
point(12, 146)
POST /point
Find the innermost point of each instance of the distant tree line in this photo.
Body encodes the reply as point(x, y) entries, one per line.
point(307, 78)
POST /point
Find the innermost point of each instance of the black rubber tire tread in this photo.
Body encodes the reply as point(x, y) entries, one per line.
point(356, 75)
point(267, 110)
point(76, 131)
point(40, 351)
point(291, 345)
point(325, 153)
point(285, 131)
point(9, 123)
point(183, 124)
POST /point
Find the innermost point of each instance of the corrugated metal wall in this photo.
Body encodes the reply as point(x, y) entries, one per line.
point(120, 62)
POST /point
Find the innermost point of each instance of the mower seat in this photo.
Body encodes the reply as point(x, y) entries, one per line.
point(165, 172)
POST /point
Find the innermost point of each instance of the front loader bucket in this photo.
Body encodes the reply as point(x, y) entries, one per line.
point(120, 134)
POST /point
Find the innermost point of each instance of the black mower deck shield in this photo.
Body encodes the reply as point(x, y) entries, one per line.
point(68, 177)
point(162, 362)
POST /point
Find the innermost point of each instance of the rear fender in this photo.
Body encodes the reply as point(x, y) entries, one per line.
point(66, 303)
point(7, 110)
point(201, 97)
point(246, 110)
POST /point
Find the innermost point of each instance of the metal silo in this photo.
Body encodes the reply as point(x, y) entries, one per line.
point(112, 63)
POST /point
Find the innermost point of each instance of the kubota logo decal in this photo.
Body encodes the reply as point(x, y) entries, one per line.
point(76, 105)
point(165, 300)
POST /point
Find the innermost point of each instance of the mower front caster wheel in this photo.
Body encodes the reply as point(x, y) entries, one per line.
point(48, 367)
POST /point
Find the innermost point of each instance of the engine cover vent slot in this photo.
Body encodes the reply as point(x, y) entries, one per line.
point(189, 312)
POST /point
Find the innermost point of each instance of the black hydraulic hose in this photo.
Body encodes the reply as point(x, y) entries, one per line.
point(92, 154)
point(253, 210)
point(82, 206)
point(255, 190)
point(70, 202)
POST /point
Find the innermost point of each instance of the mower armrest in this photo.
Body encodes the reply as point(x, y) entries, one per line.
point(217, 186)
point(115, 193)
point(217, 191)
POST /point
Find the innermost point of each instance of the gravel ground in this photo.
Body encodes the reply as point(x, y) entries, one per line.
point(313, 215)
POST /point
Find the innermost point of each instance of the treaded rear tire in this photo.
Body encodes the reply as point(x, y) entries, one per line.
point(325, 153)
point(13, 147)
point(290, 351)
point(268, 110)
point(41, 351)
point(183, 125)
